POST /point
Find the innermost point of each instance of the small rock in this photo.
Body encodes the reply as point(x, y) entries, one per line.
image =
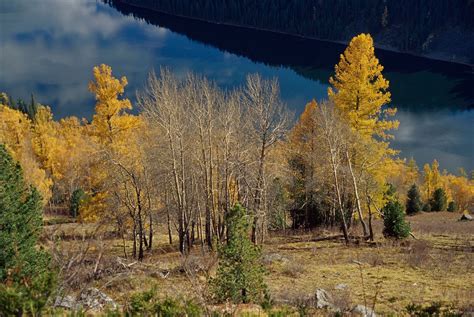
point(274, 257)
point(97, 300)
point(363, 311)
point(466, 217)
point(68, 302)
point(323, 299)
point(341, 286)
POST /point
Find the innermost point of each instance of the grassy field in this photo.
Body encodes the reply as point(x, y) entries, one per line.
point(437, 266)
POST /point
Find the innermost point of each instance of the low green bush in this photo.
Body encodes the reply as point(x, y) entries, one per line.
point(452, 207)
point(147, 303)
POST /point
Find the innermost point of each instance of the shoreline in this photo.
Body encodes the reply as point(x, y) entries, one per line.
point(304, 37)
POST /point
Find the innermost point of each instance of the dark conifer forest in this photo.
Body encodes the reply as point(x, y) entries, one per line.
point(443, 29)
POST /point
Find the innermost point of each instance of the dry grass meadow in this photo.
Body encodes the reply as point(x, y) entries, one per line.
point(437, 266)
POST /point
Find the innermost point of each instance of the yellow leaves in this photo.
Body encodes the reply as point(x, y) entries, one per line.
point(458, 189)
point(108, 88)
point(117, 138)
point(305, 130)
point(95, 208)
point(112, 127)
point(15, 133)
point(360, 92)
point(73, 154)
point(110, 122)
point(431, 178)
point(461, 190)
point(45, 141)
point(14, 130)
point(359, 89)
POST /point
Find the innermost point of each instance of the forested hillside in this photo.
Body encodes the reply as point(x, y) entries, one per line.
point(442, 29)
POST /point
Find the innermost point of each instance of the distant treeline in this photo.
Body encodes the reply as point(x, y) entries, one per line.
point(421, 26)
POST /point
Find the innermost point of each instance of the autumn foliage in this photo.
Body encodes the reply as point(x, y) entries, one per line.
point(193, 150)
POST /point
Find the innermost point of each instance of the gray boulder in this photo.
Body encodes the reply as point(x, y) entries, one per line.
point(93, 298)
point(363, 311)
point(324, 300)
point(466, 217)
point(275, 257)
point(341, 286)
point(68, 302)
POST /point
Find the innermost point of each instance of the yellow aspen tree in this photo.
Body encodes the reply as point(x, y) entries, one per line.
point(15, 133)
point(304, 131)
point(14, 130)
point(412, 173)
point(461, 191)
point(435, 175)
point(427, 181)
point(47, 144)
point(77, 149)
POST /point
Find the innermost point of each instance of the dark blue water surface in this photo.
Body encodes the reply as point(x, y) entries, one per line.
point(49, 47)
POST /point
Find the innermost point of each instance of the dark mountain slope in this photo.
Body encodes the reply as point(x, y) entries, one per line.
point(441, 29)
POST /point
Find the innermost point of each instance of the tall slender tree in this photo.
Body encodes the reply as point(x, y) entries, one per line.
point(360, 92)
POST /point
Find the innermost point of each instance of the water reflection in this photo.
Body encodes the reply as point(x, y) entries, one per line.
point(416, 83)
point(50, 46)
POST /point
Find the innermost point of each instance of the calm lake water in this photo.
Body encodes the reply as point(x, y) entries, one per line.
point(49, 47)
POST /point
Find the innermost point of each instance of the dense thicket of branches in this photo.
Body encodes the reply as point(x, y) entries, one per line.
point(406, 25)
point(211, 149)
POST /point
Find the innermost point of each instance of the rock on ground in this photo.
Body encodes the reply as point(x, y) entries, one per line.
point(324, 300)
point(275, 257)
point(95, 299)
point(91, 298)
point(363, 311)
point(68, 302)
point(466, 217)
point(340, 286)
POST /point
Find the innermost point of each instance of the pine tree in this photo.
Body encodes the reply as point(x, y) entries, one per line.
point(22, 106)
point(77, 199)
point(439, 201)
point(12, 104)
point(26, 280)
point(240, 271)
point(452, 207)
point(394, 222)
point(414, 203)
point(33, 108)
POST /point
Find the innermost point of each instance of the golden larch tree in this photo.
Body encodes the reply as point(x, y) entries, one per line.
point(359, 92)
point(359, 89)
point(111, 121)
point(113, 132)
